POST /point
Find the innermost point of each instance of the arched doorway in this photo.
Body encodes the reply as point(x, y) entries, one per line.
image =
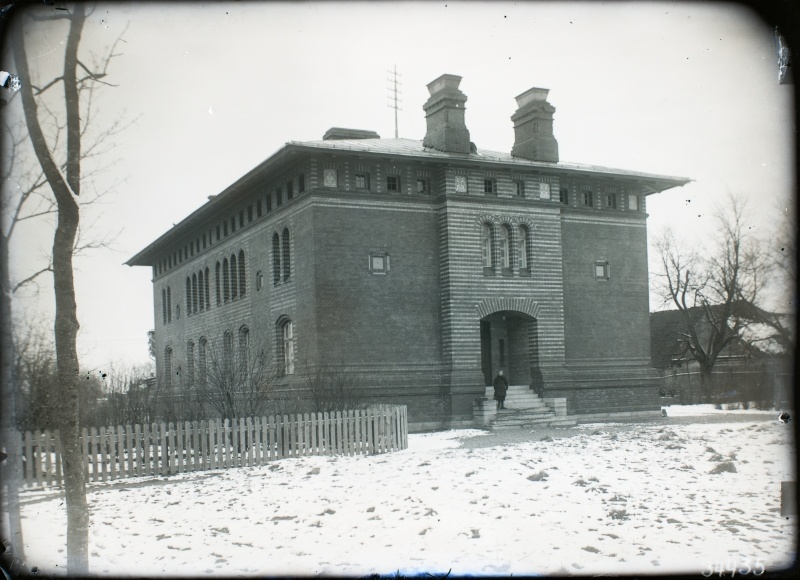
point(510, 341)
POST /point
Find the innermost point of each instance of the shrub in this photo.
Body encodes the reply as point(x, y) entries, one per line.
point(724, 467)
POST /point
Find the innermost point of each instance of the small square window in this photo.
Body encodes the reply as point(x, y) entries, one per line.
point(519, 187)
point(379, 263)
point(633, 202)
point(422, 186)
point(393, 182)
point(587, 199)
point(489, 186)
point(362, 181)
point(329, 178)
point(601, 270)
point(544, 191)
point(611, 200)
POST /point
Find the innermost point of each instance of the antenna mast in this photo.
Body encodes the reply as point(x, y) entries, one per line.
point(394, 100)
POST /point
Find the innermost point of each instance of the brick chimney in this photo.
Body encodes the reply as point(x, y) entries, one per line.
point(533, 127)
point(444, 113)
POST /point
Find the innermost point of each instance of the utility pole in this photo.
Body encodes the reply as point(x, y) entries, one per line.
point(394, 100)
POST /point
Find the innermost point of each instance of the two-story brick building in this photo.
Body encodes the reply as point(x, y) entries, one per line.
point(423, 266)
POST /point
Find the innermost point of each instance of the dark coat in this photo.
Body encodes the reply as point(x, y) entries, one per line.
point(500, 387)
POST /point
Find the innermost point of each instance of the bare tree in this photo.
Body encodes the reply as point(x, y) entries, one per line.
point(333, 387)
point(61, 144)
point(128, 396)
point(232, 377)
point(712, 289)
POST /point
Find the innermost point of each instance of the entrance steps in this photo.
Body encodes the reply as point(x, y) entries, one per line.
point(524, 408)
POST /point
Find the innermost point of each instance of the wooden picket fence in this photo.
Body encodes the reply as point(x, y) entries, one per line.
point(112, 453)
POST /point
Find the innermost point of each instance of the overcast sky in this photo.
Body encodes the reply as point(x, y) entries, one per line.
point(681, 89)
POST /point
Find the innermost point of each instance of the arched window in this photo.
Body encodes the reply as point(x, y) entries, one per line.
point(286, 345)
point(234, 278)
point(202, 360)
point(164, 305)
point(208, 291)
point(276, 259)
point(201, 291)
point(188, 295)
point(226, 281)
point(242, 275)
point(219, 293)
point(190, 363)
point(286, 255)
point(168, 367)
point(194, 294)
point(505, 234)
point(227, 353)
point(169, 304)
point(244, 352)
point(522, 248)
point(486, 245)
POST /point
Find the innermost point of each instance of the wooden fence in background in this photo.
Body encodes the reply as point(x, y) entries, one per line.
point(160, 449)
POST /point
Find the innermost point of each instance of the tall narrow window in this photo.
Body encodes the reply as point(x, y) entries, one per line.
point(244, 352)
point(587, 198)
point(486, 245)
point(218, 282)
point(287, 333)
point(169, 304)
point(201, 291)
point(234, 278)
point(227, 356)
point(190, 363)
point(289, 190)
point(164, 305)
point(208, 291)
point(286, 255)
point(226, 281)
point(188, 295)
point(393, 183)
point(276, 259)
point(242, 275)
point(168, 367)
point(301, 183)
point(258, 208)
point(194, 294)
point(202, 362)
point(269, 202)
point(504, 254)
point(278, 197)
point(522, 248)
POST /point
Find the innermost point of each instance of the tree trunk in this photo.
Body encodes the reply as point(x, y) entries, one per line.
point(10, 469)
point(66, 323)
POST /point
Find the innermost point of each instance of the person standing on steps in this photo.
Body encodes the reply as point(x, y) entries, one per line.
point(500, 388)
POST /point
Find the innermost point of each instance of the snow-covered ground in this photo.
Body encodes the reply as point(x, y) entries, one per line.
point(607, 499)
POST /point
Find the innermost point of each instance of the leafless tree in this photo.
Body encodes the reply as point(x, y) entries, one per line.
point(60, 133)
point(128, 396)
point(712, 287)
point(233, 378)
point(333, 387)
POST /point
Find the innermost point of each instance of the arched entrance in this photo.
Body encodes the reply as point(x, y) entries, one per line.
point(509, 341)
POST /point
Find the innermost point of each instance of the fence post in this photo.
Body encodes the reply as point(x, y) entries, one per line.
point(111, 438)
point(56, 457)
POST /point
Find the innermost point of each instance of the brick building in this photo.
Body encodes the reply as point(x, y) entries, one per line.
point(424, 266)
